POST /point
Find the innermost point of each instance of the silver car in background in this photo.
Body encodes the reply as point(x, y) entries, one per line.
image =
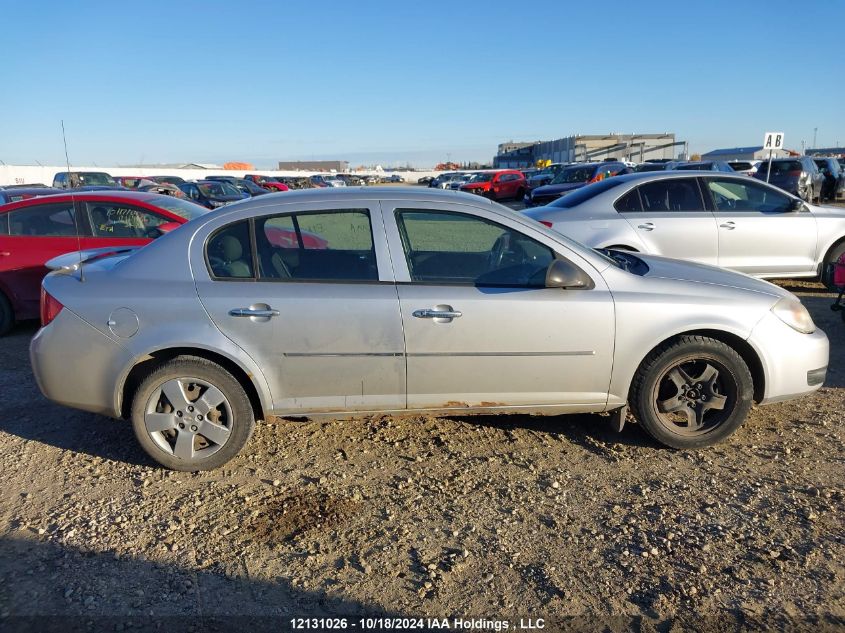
point(405, 300)
point(725, 220)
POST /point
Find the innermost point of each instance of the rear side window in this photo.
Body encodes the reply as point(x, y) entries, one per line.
point(680, 194)
point(323, 246)
point(629, 203)
point(229, 252)
point(46, 220)
point(112, 219)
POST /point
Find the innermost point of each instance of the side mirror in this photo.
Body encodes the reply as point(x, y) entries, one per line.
point(796, 204)
point(564, 274)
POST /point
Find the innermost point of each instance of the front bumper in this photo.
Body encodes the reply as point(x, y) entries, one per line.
point(794, 363)
point(76, 365)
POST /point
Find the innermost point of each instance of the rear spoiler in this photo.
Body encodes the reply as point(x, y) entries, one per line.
point(70, 262)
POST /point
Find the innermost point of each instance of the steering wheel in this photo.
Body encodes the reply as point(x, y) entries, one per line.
point(497, 253)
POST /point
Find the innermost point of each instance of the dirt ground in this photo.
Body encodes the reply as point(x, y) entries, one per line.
point(497, 518)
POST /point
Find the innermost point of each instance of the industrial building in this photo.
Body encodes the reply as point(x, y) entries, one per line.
point(579, 148)
point(314, 165)
point(755, 152)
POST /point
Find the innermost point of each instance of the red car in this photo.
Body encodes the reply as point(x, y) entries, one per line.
point(497, 185)
point(36, 230)
point(268, 182)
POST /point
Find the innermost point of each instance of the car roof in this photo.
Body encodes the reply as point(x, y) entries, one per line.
point(147, 197)
point(418, 194)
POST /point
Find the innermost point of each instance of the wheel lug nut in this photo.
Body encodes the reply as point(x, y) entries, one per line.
point(181, 425)
point(179, 414)
point(190, 408)
point(194, 428)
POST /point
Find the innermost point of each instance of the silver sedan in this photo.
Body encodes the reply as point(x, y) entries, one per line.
point(402, 300)
point(725, 220)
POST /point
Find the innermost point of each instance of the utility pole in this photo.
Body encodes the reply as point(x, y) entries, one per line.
point(815, 130)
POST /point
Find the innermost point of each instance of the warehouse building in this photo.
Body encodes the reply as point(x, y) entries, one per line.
point(314, 165)
point(755, 152)
point(580, 148)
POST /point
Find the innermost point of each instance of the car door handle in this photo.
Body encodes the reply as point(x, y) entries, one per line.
point(646, 226)
point(728, 225)
point(427, 313)
point(253, 312)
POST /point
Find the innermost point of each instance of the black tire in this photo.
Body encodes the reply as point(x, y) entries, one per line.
point(832, 256)
point(7, 315)
point(654, 382)
point(520, 194)
point(233, 414)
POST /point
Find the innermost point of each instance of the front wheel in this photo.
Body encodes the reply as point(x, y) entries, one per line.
point(692, 392)
point(191, 414)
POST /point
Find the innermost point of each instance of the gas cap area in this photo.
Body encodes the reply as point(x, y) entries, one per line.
point(123, 322)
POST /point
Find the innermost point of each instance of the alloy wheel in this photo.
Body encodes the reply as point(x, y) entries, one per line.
point(188, 418)
point(695, 396)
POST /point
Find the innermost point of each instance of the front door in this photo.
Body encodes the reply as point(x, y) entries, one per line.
point(669, 217)
point(761, 232)
point(481, 328)
point(302, 291)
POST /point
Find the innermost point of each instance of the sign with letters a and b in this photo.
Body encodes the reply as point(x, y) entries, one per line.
point(773, 140)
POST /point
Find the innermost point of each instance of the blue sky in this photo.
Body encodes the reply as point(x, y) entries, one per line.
point(210, 81)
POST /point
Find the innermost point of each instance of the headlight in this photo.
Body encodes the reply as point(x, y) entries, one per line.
point(795, 315)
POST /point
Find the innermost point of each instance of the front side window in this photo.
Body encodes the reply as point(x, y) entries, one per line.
point(443, 247)
point(113, 219)
point(46, 220)
point(322, 246)
point(680, 194)
point(736, 195)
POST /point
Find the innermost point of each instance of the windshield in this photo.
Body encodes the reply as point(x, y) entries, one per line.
point(572, 175)
point(88, 178)
point(182, 208)
point(218, 190)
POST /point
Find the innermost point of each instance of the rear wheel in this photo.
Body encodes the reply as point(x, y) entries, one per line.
point(7, 316)
point(191, 414)
point(692, 392)
point(831, 258)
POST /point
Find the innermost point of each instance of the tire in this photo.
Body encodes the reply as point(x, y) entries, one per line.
point(156, 419)
point(832, 256)
point(520, 194)
point(687, 417)
point(7, 315)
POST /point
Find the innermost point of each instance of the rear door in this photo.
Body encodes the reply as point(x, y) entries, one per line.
point(481, 328)
point(36, 234)
point(307, 291)
point(760, 233)
point(669, 216)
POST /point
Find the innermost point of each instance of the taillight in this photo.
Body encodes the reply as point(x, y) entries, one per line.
point(50, 307)
point(543, 222)
point(794, 174)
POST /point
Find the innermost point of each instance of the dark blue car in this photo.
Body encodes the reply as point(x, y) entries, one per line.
point(569, 179)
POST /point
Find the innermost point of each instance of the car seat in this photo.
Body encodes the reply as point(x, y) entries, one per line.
point(233, 264)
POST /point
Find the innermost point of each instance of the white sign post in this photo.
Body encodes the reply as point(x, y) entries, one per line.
point(771, 142)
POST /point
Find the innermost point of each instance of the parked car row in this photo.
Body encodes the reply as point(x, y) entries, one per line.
point(495, 184)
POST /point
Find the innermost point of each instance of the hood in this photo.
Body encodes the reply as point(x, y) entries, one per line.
point(550, 190)
point(678, 270)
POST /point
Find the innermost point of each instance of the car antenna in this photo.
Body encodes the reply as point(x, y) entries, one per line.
point(73, 205)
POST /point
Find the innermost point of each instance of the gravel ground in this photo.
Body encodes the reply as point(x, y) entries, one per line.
point(490, 517)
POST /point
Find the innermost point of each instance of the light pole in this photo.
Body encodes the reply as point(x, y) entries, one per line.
point(815, 130)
